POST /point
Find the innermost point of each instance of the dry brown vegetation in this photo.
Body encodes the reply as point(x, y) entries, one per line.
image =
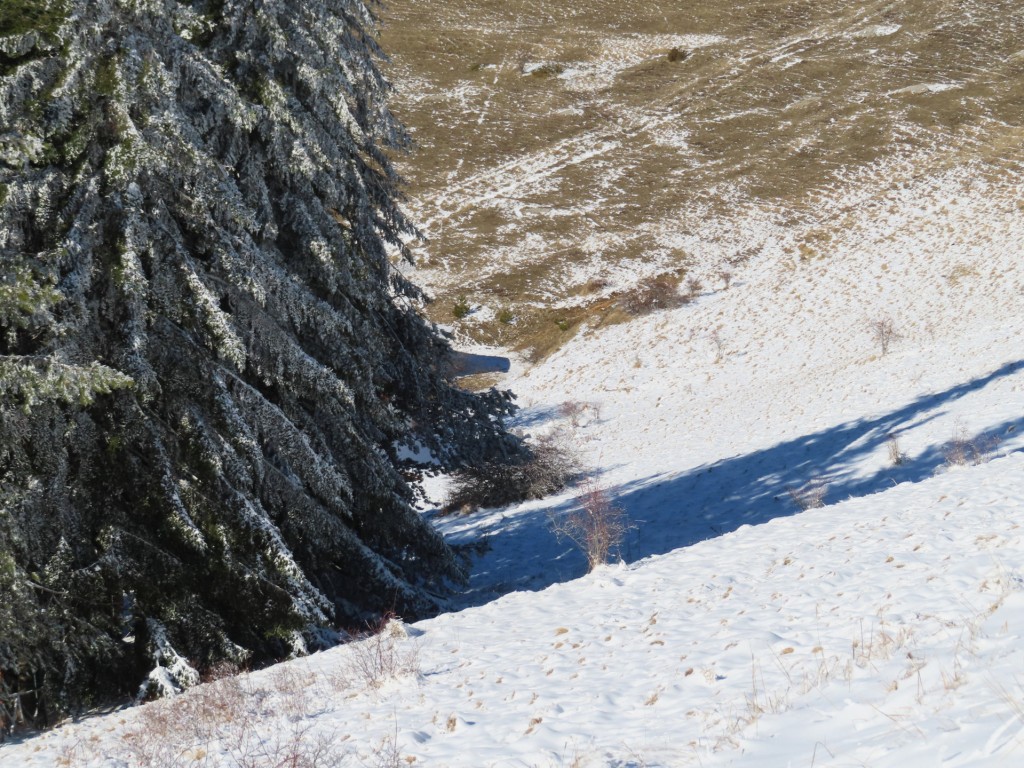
point(810, 495)
point(559, 138)
point(884, 332)
point(597, 526)
point(654, 293)
point(270, 720)
point(964, 450)
point(551, 466)
point(234, 718)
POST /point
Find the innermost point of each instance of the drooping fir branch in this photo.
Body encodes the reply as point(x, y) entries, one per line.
point(198, 309)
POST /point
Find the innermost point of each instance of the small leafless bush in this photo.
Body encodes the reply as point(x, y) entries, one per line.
point(216, 704)
point(301, 692)
point(258, 727)
point(222, 670)
point(549, 467)
point(884, 332)
point(297, 745)
point(744, 256)
point(962, 450)
point(652, 294)
point(71, 754)
point(159, 740)
point(719, 344)
point(810, 495)
point(576, 411)
point(572, 410)
point(896, 454)
point(387, 753)
point(178, 731)
point(726, 277)
point(383, 653)
point(462, 308)
point(693, 287)
point(597, 526)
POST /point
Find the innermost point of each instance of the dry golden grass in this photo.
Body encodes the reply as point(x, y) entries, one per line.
point(560, 137)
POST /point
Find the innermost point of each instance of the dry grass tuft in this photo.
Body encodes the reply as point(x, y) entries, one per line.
point(897, 457)
point(962, 450)
point(382, 653)
point(577, 412)
point(811, 495)
point(248, 725)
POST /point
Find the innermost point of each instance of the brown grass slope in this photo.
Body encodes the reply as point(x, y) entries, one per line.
point(569, 149)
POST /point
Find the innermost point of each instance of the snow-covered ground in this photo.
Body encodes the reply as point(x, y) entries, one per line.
point(885, 628)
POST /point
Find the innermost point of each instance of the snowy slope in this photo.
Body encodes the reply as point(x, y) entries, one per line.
point(884, 629)
point(698, 436)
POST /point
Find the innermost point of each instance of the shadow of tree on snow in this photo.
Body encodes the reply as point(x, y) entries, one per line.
point(677, 510)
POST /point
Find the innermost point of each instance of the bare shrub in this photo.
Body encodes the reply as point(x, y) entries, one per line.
point(71, 754)
point(962, 450)
point(550, 466)
point(810, 495)
point(744, 256)
point(178, 731)
point(719, 344)
point(896, 454)
point(652, 294)
point(387, 753)
point(382, 653)
point(297, 745)
point(301, 692)
point(726, 277)
point(693, 288)
point(215, 705)
point(159, 740)
point(257, 727)
point(597, 526)
point(222, 670)
point(576, 411)
point(884, 332)
point(572, 410)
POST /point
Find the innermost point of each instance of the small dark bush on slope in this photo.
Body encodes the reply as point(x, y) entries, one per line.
point(652, 294)
point(550, 466)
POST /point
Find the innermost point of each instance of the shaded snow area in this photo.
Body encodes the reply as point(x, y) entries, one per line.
point(883, 628)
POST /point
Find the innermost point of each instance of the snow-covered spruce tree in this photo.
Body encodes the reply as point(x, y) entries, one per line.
point(208, 365)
